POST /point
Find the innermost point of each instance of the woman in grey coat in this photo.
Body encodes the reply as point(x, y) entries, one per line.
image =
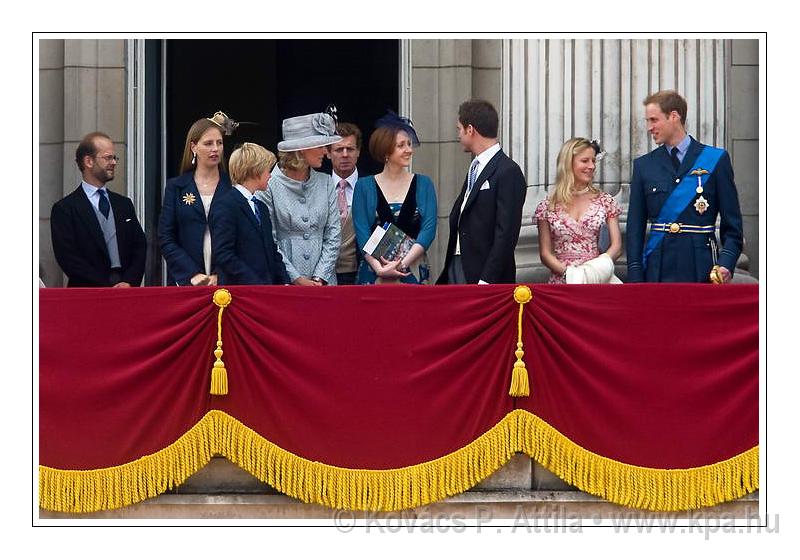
point(302, 202)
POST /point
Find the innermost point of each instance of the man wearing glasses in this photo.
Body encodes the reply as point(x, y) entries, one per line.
point(97, 239)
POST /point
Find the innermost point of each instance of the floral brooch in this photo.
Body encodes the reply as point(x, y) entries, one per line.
point(189, 199)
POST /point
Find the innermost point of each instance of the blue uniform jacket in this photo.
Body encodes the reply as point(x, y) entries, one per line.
point(182, 225)
point(682, 257)
point(245, 251)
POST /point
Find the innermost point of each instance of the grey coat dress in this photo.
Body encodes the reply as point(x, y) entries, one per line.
point(305, 223)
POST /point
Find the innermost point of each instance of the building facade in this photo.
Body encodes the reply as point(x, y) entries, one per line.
point(546, 90)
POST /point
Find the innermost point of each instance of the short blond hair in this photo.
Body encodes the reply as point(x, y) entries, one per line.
point(249, 161)
point(292, 160)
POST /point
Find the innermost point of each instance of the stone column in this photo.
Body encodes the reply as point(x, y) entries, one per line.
point(445, 73)
point(51, 150)
point(82, 88)
point(554, 89)
point(742, 142)
point(441, 77)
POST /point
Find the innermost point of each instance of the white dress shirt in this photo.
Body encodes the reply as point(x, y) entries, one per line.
point(248, 195)
point(351, 184)
point(483, 159)
point(206, 199)
point(107, 225)
point(92, 193)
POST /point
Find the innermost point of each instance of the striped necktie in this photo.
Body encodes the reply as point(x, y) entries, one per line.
point(255, 209)
point(473, 172)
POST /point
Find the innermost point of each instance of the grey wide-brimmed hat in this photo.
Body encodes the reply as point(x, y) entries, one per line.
point(308, 131)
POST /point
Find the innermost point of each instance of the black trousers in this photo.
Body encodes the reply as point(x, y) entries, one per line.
point(346, 278)
point(455, 272)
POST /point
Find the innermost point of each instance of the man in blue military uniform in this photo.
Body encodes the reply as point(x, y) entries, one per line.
point(680, 188)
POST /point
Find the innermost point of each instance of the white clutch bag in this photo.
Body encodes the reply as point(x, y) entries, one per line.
point(599, 270)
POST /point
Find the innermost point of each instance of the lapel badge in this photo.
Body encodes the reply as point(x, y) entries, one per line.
point(189, 199)
point(701, 204)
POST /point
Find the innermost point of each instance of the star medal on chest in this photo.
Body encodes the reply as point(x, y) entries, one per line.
point(701, 204)
point(189, 199)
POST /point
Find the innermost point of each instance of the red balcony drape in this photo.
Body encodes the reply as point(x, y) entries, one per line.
point(386, 397)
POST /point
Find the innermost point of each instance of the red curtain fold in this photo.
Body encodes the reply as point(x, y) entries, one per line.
point(389, 376)
point(662, 376)
point(360, 378)
point(122, 373)
point(367, 378)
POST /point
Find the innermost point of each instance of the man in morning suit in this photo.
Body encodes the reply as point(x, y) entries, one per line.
point(241, 230)
point(486, 216)
point(680, 188)
point(97, 239)
point(344, 158)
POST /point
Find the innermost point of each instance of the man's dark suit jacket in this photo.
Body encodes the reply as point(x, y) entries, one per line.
point(681, 257)
point(490, 223)
point(79, 245)
point(182, 227)
point(245, 251)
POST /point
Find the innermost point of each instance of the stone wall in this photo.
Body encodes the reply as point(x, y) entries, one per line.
point(446, 72)
point(743, 138)
point(82, 88)
point(557, 88)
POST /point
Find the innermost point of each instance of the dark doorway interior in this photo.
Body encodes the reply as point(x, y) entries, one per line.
point(265, 81)
point(152, 146)
point(262, 81)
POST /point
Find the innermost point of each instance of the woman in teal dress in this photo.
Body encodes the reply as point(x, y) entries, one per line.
point(395, 195)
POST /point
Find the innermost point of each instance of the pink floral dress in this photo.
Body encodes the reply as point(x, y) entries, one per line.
point(574, 242)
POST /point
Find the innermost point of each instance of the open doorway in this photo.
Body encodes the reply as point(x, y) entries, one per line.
point(264, 81)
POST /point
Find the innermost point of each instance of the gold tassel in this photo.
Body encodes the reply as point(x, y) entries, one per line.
point(520, 386)
point(219, 375)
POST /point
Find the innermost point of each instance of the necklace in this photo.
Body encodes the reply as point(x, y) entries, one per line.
point(205, 183)
point(582, 191)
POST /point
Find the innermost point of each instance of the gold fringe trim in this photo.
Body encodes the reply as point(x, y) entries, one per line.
point(78, 491)
point(633, 486)
point(218, 433)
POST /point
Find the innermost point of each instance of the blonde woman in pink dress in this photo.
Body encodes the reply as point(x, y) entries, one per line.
point(570, 219)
